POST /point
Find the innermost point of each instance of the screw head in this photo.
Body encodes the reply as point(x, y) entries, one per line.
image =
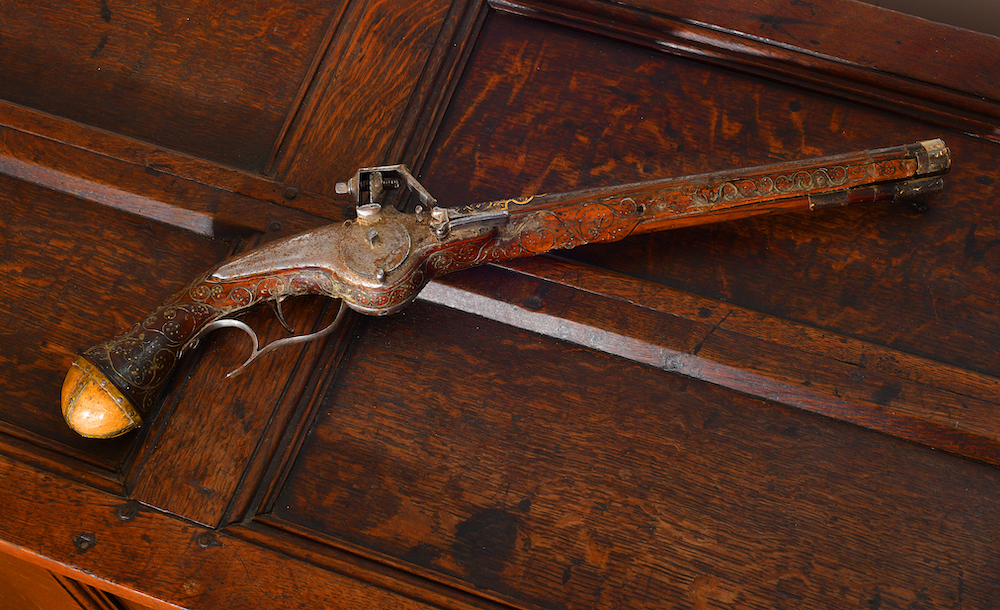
point(206, 540)
point(290, 193)
point(369, 214)
point(84, 541)
point(126, 512)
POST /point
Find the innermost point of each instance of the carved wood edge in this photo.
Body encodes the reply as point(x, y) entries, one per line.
point(848, 31)
point(273, 460)
point(243, 200)
point(366, 565)
point(649, 295)
point(163, 561)
point(89, 598)
point(57, 458)
point(798, 67)
point(876, 387)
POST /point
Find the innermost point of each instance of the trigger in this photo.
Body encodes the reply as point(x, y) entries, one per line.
point(276, 306)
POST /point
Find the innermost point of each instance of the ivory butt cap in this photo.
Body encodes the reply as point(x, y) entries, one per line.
point(92, 406)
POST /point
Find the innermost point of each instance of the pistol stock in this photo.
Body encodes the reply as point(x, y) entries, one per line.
point(377, 263)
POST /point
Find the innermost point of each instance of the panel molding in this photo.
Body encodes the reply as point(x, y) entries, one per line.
point(150, 181)
point(763, 356)
point(371, 567)
point(921, 92)
point(163, 561)
point(350, 119)
point(52, 456)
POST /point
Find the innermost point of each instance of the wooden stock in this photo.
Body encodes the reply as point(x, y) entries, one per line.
point(380, 262)
point(112, 384)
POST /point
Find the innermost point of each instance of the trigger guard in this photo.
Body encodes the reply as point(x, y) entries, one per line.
point(256, 353)
point(226, 323)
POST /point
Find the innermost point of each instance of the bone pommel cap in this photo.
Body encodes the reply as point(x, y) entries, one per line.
point(93, 406)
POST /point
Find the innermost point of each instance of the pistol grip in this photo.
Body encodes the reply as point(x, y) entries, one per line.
point(112, 386)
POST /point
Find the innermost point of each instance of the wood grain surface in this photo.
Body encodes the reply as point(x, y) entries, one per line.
point(194, 460)
point(24, 586)
point(70, 269)
point(552, 475)
point(361, 95)
point(839, 37)
point(917, 283)
point(160, 561)
point(782, 413)
point(538, 472)
point(885, 390)
point(212, 80)
point(211, 464)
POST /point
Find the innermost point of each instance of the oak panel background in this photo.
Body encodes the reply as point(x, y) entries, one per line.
point(522, 124)
point(498, 464)
point(218, 80)
point(452, 461)
point(546, 474)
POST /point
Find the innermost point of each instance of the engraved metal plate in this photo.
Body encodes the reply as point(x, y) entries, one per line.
point(382, 246)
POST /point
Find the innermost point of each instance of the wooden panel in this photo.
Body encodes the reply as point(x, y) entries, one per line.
point(169, 185)
point(912, 79)
point(90, 249)
point(840, 38)
point(550, 475)
point(917, 283)
point(210, 79)
point(165, 562)
point(757, 355)
point(378, 84)
point(71, 287)
point(542, 473)
point(461, 463)
point(90, 598)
